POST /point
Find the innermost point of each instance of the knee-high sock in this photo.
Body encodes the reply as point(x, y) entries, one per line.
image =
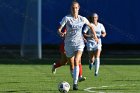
point(75, 74)
point(80, 70)
point(97, 65)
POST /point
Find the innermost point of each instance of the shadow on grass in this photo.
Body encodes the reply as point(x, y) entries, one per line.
point(26, 91)
point(15, 91)
point(127, 80)
point(22, 61)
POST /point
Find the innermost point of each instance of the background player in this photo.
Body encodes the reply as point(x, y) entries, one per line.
point(74, 43)
point(94, 48)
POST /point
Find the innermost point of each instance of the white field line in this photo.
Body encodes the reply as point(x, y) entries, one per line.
point(91, 89)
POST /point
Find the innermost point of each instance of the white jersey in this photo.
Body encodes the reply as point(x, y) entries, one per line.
point(74, 27)
point(91, 43)
point(98, 29)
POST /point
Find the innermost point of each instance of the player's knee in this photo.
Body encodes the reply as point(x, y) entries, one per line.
point(97, 56)
point(76, 61)
point(92, 60)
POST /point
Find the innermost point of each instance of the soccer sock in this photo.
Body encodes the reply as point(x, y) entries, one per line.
point(57, 64)
point(80, 70)
point(97, 65)
point(75, 74)
point(91, 62)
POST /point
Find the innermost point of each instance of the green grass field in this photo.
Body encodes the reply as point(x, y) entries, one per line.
point(39, 79)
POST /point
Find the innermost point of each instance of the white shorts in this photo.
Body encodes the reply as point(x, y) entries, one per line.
point(93, 46)
point(70, 50)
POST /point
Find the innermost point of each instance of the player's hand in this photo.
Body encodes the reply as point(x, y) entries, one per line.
point(96, 39)
point(103, 35)
point(62, 34)
point(85, 41)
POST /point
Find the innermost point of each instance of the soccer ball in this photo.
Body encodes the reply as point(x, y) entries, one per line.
point(64, 87)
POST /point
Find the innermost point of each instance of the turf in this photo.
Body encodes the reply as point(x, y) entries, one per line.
point(39, 79)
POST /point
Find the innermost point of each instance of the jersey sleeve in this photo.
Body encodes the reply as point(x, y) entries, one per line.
point(85, 20)
point(102, 28)
point(64, 21)
point(86, 29)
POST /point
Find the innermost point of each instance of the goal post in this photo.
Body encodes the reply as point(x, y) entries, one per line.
point(39, 29)
point(31, 46)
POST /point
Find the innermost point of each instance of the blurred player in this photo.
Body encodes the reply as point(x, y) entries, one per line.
point(74, 43)
point(63, 61)
point(93, 48)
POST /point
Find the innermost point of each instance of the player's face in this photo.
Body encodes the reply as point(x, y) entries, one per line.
point(95, 19)
point(75, 8)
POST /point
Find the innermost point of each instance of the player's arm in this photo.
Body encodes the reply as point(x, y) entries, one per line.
point(62, 24)
point(93, 31)
point(84, 38)
point(85, 33)
point(62, 34)
point(103, 33)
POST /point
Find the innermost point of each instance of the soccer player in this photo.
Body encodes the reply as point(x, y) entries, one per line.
point(94, 48)
point(74, 43)
point(63, 61)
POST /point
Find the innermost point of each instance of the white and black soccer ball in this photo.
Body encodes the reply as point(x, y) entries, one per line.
point(64, 87)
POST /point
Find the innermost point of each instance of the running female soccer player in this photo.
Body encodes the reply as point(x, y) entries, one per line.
point(93, 48)
point(74, 43)
point(63, 61)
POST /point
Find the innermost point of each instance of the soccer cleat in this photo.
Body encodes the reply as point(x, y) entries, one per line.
point(95, 74)
point(90, 66)
point(64, 91)
point(53, 69)
point(75, 87)
point(82, 79)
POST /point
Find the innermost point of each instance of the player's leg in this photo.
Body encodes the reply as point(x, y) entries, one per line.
point(90, 49)
point(97, 61)
point(97, 57)
point(63, 59)
point(77, 60)
point(91, 59)
point(71, 61)
point(59, 63)
point(81, 78)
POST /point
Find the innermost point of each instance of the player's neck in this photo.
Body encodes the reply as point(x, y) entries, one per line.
point(96, 23)
point(75, 16)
